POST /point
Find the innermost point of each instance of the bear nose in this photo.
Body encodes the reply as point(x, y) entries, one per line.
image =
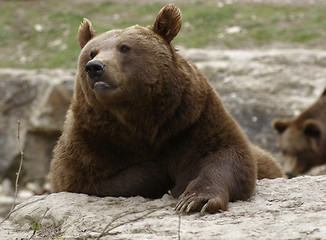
point(95, 69)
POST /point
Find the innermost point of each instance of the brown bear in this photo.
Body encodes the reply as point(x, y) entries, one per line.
point(144, 120)
point(303, 139)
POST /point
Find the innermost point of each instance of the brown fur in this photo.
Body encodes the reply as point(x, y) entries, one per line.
point(303, 139)
point(267, 166)
point(157, 125)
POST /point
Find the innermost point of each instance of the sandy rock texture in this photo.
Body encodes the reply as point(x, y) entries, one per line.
point(279, 209)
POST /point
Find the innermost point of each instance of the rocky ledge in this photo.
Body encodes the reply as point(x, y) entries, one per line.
point(279, 209)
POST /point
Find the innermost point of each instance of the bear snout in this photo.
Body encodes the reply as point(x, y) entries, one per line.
point(95, 69)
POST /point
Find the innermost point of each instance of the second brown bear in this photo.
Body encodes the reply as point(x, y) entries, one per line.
point(303, 138)
point(144, 120)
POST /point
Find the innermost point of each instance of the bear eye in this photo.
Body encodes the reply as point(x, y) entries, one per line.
point(124, 48)
point(92, 54)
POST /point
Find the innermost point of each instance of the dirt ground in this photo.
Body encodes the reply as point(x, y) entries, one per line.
point(279, 209)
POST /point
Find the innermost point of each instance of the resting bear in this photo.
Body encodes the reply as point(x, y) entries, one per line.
point(143, 121)
point(303, 139)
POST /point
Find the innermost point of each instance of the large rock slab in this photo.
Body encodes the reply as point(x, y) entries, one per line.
point(279, 209)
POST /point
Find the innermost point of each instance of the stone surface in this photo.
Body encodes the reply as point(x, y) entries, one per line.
point(279, 209)
point(258, 86)
point(38, 99)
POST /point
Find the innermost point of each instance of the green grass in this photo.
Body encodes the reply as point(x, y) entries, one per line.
point(43, 33)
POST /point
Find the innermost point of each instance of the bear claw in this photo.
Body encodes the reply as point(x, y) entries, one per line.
point(194, 202)
point(184, 202)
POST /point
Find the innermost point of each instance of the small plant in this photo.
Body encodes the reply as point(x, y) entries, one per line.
point(37, 225)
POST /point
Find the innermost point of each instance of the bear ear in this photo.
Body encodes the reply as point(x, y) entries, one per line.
point(168, 22)
point(85, 32)
point(312, 128)
point(280, 125)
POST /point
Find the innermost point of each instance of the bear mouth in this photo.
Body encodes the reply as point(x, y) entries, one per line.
point(97, 85)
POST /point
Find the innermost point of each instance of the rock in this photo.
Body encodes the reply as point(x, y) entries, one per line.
point(7, 197)
point(256, 87)
point(39, 99)
point(279, 209)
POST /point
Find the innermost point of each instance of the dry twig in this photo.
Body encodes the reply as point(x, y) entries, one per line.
point(17, 174)
point(106, 230)
point(179, 227)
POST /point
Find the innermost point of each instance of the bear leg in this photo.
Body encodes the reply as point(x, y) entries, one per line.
point(146, 179)
point(219, 181)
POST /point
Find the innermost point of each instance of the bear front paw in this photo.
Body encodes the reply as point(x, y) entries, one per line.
point(195, 202)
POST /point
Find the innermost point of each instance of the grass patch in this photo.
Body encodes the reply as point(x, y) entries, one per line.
point(43, 33)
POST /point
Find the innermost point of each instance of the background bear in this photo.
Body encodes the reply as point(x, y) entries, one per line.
point(303, 139)
point(143, 120)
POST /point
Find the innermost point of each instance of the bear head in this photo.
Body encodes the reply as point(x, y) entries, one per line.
point(302, 140)
point(120, 69)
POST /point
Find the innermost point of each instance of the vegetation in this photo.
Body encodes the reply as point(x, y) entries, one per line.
point(43, 33)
